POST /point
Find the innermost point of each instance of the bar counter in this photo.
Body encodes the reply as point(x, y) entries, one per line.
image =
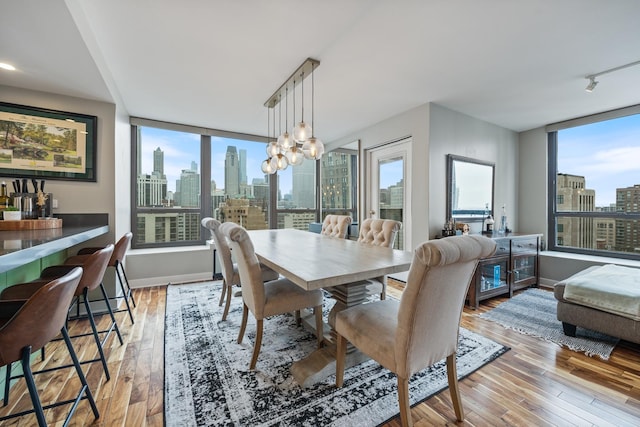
point(18, 248)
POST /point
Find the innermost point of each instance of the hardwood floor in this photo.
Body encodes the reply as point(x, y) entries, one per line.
point(535, 383)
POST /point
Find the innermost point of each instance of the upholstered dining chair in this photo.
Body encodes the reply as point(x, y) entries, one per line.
point(265, 299)
point(230, 275)
point(93, 268)
point(117, 262)
point(26, 326)
point(379, 232)
point(336, 226)
point(422, 328)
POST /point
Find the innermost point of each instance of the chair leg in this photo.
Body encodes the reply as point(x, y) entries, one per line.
point(126, 295)
point(243, 325)
point(257, 345)
point(126, 280)
point(228, 301)
point(403, 401)
point(113, 318)
point(341, 353)
point(319, 325)
point(7, 383)
point(224, 291)
point(33, 391)
point(85, 386)
point(298, 317)
point(96, 336)
point(452, 375)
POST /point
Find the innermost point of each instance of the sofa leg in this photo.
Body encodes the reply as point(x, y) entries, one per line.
point(569, 329)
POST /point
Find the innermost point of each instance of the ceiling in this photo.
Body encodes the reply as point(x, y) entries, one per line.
point(213, 63)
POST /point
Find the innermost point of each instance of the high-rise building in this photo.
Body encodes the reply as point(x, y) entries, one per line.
point(628, 231)
point(571, 195)
point(232, 173)
point(303, 185)
point(158, 162)
point(189, 188)
point(242, 160)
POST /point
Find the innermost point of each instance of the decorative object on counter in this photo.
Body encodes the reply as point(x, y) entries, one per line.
point(462, 228)
point(42, 204)
point(31, 224)
point(503, 221)
point(488, 225)
point(11, 214)
point(4, 199)
point(449, 228)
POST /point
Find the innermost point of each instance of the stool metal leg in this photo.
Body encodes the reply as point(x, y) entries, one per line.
point(114, 324)
point(85, 387)
point(31, 385)
point(126, 293)
point(95, 332)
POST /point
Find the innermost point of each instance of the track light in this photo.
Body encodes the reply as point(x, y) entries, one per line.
point(592, 77)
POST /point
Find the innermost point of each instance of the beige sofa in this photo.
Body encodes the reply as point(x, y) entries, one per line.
point(573, 314)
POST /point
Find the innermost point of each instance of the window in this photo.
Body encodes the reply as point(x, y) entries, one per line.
point(182, 174)
point(338, 183)
point(594, 183)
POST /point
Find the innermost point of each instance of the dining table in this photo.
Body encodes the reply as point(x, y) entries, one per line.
point(339, 266)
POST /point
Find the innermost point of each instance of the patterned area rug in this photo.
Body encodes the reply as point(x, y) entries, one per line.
point(533, 312)
point(207, 381)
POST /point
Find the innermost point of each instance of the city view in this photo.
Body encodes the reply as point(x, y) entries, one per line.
point(168, 189)
point(598, 171)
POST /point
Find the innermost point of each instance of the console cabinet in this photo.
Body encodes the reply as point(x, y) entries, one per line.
point(514, 266)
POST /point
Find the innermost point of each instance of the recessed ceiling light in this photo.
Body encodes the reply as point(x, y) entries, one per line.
point(5, 66)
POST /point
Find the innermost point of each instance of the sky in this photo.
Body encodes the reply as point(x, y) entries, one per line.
point(606, 153)
point(180, 149)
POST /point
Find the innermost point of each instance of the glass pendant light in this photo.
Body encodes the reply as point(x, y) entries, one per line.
point(295, 155)
point(279, 162)
point(285, 141)
point(313, 148)
point(302, 131)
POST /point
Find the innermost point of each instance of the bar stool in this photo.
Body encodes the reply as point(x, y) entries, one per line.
point(117, 262)
point(93, 267)
point(35, 323)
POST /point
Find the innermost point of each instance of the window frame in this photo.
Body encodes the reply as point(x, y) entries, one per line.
point(554, 214)
point(205, 176)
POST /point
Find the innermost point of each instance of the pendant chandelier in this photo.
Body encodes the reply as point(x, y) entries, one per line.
point(291, 148)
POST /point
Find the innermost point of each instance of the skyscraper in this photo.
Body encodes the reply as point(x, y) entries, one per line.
point(231, 173)
point(158, 162)
point(242, 158)
point(303, 185)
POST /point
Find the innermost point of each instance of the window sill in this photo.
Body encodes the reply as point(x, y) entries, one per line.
point(168, 250)
point(591, 258)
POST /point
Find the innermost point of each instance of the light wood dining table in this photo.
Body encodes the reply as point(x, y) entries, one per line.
point(341, 267)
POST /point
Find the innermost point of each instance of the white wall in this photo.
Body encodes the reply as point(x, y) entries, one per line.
point(413, 123)
point(456, 133)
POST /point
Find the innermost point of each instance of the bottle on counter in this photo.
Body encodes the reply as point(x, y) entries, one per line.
point(4, 198)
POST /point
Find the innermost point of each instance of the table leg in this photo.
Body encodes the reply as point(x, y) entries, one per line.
point(322, 362)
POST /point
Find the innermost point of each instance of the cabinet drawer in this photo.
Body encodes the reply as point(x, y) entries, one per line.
point(524, 245)
point(502, 247)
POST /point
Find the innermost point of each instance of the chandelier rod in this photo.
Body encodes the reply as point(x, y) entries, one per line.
point(305, 69)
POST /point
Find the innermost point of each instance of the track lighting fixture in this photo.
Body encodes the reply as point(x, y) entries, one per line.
point(592, 77)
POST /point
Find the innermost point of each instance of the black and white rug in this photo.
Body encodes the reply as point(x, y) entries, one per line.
point(207, 381)
point(533, 312)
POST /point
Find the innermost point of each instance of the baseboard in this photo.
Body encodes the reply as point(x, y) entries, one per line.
point(165, 280)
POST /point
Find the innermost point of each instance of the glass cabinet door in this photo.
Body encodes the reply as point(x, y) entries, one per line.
point(494, 275)
point(524, 268)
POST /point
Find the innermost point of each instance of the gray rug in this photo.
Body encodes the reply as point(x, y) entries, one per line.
point(207, 381)
point(533, 312)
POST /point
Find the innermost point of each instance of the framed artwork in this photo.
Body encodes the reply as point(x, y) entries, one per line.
point(40, 143)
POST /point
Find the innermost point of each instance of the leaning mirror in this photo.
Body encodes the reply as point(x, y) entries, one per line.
point(469, 188)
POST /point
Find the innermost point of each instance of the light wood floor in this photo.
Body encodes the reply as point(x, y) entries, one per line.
point(534, 384)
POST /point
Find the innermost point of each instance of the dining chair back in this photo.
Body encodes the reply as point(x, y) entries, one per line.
point(265, 299)
point(422, 328)
point(379, 232)
point(336, 226)
point(230, 275)
point(38, 321)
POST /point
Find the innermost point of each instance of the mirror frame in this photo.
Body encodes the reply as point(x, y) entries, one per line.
point(451, 160)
